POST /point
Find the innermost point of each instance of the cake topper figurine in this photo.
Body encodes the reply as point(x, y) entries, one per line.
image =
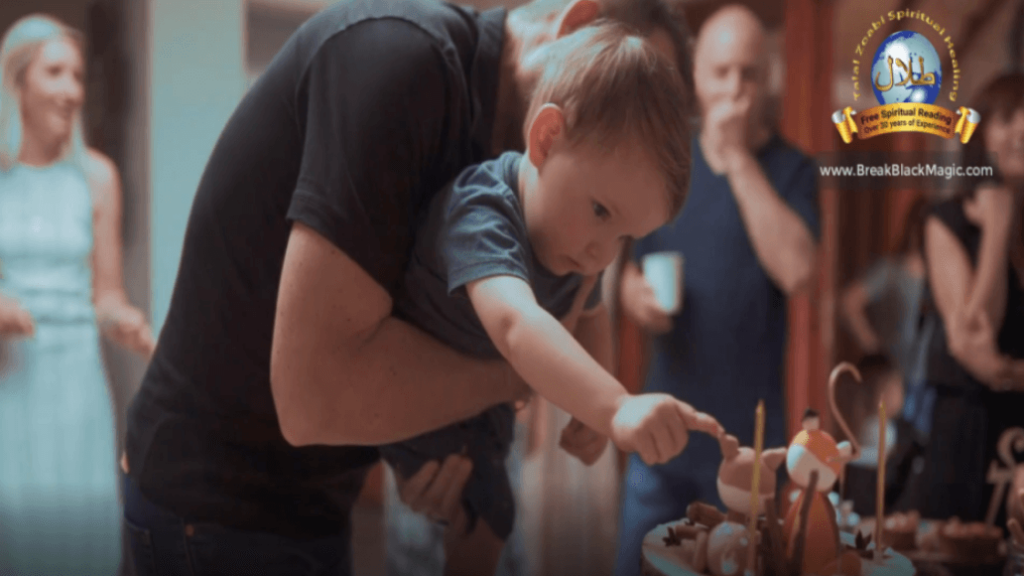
point(814, 450)
point(736, 477)
point(746, 480)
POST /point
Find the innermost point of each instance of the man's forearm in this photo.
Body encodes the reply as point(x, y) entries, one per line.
point(854, 303)
point(781, 240)
point(396, 383)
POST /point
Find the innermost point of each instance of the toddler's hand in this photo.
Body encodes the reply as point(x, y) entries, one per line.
point(657, 426)
point(582, 442)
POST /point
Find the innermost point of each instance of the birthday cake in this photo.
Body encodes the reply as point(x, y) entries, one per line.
point(752, 538)
point(684, 548)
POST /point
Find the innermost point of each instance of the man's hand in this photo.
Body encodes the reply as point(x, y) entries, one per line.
point(639, 302)
point(15, 321)
point(436, 490)
point(582, 442)
point(657, 426)
point(725, 132)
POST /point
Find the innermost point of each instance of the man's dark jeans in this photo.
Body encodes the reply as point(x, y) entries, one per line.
point(163, 544)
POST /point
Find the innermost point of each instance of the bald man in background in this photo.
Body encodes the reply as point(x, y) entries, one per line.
point(748, 235)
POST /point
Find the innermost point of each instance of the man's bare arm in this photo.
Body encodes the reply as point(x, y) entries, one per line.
point(344, 372)
point(781, 240)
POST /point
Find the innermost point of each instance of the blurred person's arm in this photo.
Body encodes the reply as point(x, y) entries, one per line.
point(118, 320)
point(345, 372)
point(780, 237)
point(779, 234)
point(855, 301)
point(971, 340)
point(992, 209)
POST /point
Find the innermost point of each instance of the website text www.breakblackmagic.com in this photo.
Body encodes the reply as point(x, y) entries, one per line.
point(881, 170)
point(900, 170)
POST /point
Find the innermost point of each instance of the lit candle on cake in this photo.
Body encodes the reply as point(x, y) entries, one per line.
point(880, 491)
point(755, 488)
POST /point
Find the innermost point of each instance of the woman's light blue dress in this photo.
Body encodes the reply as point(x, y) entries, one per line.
point(59, 505)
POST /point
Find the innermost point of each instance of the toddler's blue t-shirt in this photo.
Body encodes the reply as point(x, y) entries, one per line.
point(475, 229)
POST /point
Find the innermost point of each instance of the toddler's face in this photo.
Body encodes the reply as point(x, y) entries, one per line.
point(585, 202)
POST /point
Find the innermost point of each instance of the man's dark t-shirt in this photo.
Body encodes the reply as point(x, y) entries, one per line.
point(367, 111)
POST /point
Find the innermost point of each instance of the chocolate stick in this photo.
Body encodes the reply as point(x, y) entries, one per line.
point(797, 561)
point(775, 561)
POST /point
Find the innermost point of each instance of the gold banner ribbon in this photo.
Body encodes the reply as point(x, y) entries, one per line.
point(906, 117)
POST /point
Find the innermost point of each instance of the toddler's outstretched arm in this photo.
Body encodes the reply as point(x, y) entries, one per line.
point(555, 365)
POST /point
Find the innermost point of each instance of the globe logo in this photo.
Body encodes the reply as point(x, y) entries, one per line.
point(906, 68)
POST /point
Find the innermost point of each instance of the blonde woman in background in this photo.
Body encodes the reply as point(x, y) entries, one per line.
point(62, 286)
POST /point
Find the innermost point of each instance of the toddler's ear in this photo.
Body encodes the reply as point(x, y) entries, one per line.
point(547, 127)
point(577, 15)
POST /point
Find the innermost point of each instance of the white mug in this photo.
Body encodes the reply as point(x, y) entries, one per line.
point(664, 272)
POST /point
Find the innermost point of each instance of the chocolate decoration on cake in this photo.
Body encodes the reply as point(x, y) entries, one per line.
point(709, 541)
point(735, 475)
point(814, 453)
point(1001, 476)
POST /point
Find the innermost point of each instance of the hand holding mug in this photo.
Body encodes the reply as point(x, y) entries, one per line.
point(651, 297)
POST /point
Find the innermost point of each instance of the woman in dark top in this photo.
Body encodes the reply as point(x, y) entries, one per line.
point(975, 361)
